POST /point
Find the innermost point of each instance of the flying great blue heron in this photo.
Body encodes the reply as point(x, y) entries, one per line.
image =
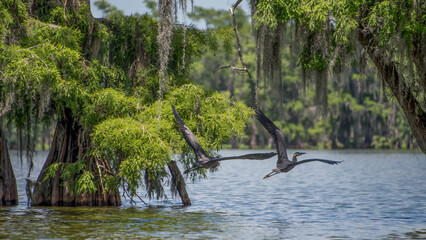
point(204, 160)
point(283, 163)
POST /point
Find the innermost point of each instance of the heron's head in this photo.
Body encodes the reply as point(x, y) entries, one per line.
point(296, 154)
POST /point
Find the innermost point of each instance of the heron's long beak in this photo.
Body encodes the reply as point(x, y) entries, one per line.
point(270, 175)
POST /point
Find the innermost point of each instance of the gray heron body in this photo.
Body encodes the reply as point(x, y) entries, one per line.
point(204, 160)
point(283, 163)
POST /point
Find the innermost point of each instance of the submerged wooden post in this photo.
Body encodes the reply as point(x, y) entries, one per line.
point(179, 181)
point(8, 189)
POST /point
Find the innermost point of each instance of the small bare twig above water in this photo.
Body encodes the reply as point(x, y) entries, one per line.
point(126, 193)
point(240, 53)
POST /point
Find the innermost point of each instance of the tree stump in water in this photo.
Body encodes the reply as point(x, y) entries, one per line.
point(8, 189)
point(179, 182)
point(69, 143)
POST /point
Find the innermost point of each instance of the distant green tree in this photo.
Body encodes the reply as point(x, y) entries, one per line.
point(109, 11)
point(212, 17)
point(152, 6)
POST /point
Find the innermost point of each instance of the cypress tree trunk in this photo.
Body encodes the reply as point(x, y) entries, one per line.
point(8, 189)
point(416, 116)
point(69, 144)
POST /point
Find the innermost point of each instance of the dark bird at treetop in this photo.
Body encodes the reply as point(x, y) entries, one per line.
point(204, 160)
point(283, 163)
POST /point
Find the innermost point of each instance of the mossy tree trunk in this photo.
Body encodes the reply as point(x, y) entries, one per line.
point(8, 189)
point(70, 143)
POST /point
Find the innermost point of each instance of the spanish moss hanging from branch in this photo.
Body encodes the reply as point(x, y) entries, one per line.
point(183, 9)
point(165, 29)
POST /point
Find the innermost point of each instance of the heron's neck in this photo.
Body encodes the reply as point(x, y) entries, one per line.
point(294, 158)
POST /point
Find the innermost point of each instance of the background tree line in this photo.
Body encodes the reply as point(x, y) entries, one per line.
point(361, 112)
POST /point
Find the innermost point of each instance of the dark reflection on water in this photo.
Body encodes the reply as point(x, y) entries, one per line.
point(371, 195)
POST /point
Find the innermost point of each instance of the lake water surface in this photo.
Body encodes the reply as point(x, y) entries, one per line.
point(371, 195)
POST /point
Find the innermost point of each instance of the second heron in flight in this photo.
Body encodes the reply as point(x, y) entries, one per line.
point(204, 160)
point(283, 163)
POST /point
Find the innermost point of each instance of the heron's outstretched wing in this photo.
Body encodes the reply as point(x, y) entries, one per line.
point(275, 133)
point(190, 138)
point(253, 156)
point(319, 160)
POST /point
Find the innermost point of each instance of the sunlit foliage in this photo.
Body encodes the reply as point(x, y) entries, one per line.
point(139, 146)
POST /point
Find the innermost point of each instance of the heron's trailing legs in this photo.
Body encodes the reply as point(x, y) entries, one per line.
point(270, 174)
